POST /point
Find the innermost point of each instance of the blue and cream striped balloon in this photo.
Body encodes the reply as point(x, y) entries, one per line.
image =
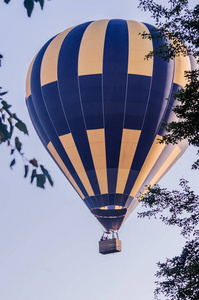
point(97, 106)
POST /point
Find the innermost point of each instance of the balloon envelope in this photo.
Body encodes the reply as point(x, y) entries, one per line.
point(97, 106)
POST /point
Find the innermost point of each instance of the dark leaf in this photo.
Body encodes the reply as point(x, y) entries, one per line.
point(34, 174)
point(6, 1)
point(12, 163)
point(5, 135)
point(29, 5)
point(34, 162)
point(5, 104)
point(15, 116)
point(18, 144)
point(22, 126)
point(41, 179)
point(11, 130)
point(26, 170)
point(50, 180)
point(12, 151)
point(45, 172)
point(41, 3)
point(3, 93)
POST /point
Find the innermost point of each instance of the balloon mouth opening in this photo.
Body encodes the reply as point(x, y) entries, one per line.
point(109, 212)
point(111, 219)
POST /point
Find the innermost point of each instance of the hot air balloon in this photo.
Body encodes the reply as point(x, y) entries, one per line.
point(97, 105)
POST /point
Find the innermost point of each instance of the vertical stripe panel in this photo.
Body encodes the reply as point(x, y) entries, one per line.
point(164, 167)
point(59, 161)
point(91, 49)
point(36, 123)
point(49, 62)
point(28, 88)
point(151, 159)
point(91, 99)
point(72, 152)
point(52, 102)
point(138, 91)
point(97, 145)
point(138, 48)
point(115, 67)
point(129, 143)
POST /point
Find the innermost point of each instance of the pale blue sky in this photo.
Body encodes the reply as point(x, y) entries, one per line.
point(49, 239)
